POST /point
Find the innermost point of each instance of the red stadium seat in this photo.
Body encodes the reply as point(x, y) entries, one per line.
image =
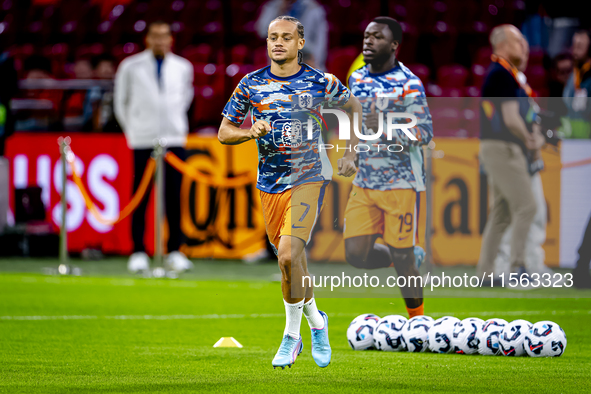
point(483, 56)
point(407, 52)
point(210, 74)
point(433, 90)
point(478, 74)
point(446, 121)
point(122, 51)
point(452, 76)
point(198, 54)
point(209, 104)
point(90, 50)
point(452, 92)
point(260, 58)
point(239, 54)
point(340, 60)
point(536, 77)
point(421, 71)
point(536, 56)
point(443, 42)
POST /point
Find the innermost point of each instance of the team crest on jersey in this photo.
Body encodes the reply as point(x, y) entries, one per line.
point(382, 102)
point(287, 133)
point(305, 100)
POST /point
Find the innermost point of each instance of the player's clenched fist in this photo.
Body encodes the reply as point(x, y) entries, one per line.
point(259, 129)
point(346, 166)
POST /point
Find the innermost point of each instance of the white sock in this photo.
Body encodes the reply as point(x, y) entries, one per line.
point(293, 319)
point(315, 319)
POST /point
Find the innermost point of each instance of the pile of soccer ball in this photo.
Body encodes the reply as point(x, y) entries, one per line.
point(448, 334)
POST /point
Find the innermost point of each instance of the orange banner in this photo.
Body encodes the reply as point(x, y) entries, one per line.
point(460, 202)
point(222, 218)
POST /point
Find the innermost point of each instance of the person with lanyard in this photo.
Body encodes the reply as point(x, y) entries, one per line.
point(509, 132)
point(534, 251)
point(578, 88)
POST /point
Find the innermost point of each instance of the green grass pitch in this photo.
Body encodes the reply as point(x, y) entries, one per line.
point(108, 331)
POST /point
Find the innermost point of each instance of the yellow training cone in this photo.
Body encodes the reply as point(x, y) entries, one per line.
point(227, 342)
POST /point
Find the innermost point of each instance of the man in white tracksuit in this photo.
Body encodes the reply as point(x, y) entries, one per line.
point(153, 92)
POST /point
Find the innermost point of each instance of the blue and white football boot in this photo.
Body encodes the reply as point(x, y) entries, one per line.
point(419, 256)
point(289, 350)
point(321, 351)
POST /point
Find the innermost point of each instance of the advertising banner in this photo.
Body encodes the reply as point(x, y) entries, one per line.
point(222, 215)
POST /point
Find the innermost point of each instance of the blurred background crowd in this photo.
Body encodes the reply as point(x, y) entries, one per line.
point(83, 41)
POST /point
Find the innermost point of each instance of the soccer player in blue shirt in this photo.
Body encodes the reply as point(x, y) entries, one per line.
point(384, 200)
point(293, 169)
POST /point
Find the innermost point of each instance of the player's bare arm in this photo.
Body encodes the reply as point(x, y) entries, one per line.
point(346, 164)
point(230, 133)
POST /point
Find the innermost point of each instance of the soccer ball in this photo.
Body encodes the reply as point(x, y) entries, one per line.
point(512, 337)
point(416, 333)
point(361, 330)
point(388, 334)
point(545, 339)
point(465, 336)
point(489, 337)
point(441, 333)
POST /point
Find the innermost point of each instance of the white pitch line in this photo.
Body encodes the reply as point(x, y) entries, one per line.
point(279, 315)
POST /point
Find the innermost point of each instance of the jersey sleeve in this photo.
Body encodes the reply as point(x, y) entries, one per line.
point(238, 106)
point(415, 101)
point(350, 81)
point(335, 92)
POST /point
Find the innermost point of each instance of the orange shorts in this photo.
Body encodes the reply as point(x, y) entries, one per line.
point(393, 214)
point(293, 212)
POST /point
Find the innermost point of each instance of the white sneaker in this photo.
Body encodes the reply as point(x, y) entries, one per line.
point(138, 261)
point(177, 261)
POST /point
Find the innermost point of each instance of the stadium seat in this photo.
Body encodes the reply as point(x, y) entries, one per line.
point(478, 72)
point(239, 54)
point(209, 104)
point(210, 74)
point(122, 51)
point(536, 56)
point(472, 91)
point(536, 76)
point(340, 59)
point(443, 41)
point(236, 72)
point(407, 52)
point(470, 121)
point(421, 71)
point(198, 54)
point(90, 50)
point(446, 121)
point(433, 90)
point(483, 56)
point(260, 57)
point(451, 92)
point(452, 76)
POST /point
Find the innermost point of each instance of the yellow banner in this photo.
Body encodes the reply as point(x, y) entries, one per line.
point(460, 202)
point(227, 222)
point(221, 221)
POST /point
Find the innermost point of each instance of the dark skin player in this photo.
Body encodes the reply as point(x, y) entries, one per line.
point(379, 53)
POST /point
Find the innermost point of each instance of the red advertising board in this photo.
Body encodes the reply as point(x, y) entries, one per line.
point(105, 164)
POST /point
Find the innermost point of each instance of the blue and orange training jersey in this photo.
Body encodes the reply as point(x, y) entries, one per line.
point(396, 90)
point(287, 157)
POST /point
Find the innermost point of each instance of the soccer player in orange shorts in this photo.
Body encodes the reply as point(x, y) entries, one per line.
point(293, 172)
point(384, 200)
